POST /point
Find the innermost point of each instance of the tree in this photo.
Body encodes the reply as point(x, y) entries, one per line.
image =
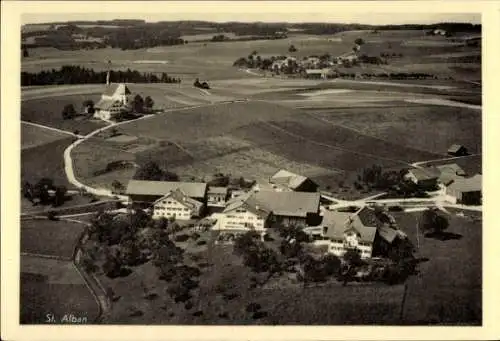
point(68, 111)
point(117, 186)
point(88, 106)
point(138, 104)
point(149, 171)
point(292, 49)
point(148, 103)
point(359, 41)
point(60, 195)
point(433, 222)
point(25, 52)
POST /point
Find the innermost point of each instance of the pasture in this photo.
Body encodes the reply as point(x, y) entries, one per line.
point(33, 136)
point(448, 289)
point(50, 238)
point(48, 112)
point(49, 286)
point(45, 161)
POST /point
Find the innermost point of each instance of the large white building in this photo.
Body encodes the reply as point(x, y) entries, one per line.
point(177, 204)
point(114, 100)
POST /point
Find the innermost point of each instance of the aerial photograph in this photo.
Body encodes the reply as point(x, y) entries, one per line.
point(259, 171)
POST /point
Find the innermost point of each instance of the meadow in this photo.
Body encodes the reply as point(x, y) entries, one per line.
point(448, 289)
point(50, 238)
point(49, 286)
point(33, 136)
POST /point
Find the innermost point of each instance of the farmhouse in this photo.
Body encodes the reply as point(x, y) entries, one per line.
point(467, 191)
point(177, 204)
point(345, 231)
point(316, 73)
point(457, 150)
point(439, 32)
point(144, 193)
point(260, 209)
point(449, 172)
point(285, 180)
point(114, 100)
point(241, 215)
point(363, 230)
point(426, 178)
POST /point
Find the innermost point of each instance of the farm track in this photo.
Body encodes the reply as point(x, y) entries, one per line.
point(51, 128)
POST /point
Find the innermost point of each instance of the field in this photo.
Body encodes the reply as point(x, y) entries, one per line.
point(55, 287)
point(448, 289)
point(218, 57)
point(47, 111)
point(52, 238)
point(45, 161)
point(33, 136)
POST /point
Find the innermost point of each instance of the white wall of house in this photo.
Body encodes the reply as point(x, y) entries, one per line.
point(169, 207)
point(240, 219)
point(339, 247)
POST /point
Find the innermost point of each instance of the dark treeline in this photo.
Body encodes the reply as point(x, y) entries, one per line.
point(70, 74)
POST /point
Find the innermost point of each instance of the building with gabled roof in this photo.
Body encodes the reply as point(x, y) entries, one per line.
point(425, 178)
point(114, 100)
point(217, 196)
point(450, 172)
point(457, 150)
point(286, 180)
point(145, 192)
point(177, 204)
point(345, 231)
point(467, 191)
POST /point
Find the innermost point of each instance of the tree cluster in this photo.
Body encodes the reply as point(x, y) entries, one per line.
point(432, 222)
point(73, 74)
point(152, 172)
point(44, 192)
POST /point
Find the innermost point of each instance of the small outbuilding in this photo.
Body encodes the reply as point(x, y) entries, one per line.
point(457, 150)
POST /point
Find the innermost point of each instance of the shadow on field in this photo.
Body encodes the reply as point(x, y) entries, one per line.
point(443, 236)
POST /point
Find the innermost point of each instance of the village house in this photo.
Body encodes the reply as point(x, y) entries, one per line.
point(362, 230)
point(177, 204)
point(457, 150)
point(345, 231)
point(288, 181)
point(217, 196)
point(467, 191)
point(424, 178)
point(439, 32)
point(241, 214)
point(114, 100)
point(449, 172)
point(143, 193)
point(259, 210)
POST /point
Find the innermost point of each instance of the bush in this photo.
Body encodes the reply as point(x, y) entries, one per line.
point(181, 238)
point(201, 242)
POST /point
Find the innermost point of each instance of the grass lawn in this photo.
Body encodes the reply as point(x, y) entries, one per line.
point(449, 288)
point(32, 136)
point(53, 287)
point(52, 238)
point(47, 111)
point(45, 161)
